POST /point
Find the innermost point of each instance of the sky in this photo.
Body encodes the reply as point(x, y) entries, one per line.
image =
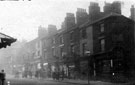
point(21, 19)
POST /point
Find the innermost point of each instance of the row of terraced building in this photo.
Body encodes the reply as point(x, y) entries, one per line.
point(98, 44)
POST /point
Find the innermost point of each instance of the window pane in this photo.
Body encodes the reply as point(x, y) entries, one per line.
point(102, 27)
point(102, 44)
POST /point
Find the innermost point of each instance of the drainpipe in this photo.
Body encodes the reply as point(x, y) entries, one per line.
point(94, 69)
point(112, 65)
point(88, 73)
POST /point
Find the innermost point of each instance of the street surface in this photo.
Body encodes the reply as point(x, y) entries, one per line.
point(27, 81)
point(15, 81)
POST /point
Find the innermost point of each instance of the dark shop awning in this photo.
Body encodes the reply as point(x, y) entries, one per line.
point(6, 40)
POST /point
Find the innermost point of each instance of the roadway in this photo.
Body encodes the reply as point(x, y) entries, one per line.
point(20, 81)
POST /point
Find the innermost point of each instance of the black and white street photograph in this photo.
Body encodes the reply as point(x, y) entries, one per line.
point(67, 42)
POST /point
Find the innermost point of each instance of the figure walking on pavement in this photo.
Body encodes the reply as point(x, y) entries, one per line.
point(62, 74)
point(2, 77)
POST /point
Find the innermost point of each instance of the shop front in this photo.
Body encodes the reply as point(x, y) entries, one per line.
point(71, 67)
point(110, 65)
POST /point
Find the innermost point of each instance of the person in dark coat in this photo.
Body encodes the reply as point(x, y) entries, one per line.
point(36, 74)
point(2, 77)
point(57, 75)
point(30, 74)
point(62, 74)
point(54, 75)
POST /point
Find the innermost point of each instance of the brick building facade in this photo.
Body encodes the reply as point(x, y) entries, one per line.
point(101, 41)
point(75, 41)
point(113, 46)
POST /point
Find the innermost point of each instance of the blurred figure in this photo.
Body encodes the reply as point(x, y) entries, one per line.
point(54, 75)
point(30, 74)
point(62, 74)
point(24, 74)
point(17, 74)
point(57, 75)
point(2, 77)
point(36, 74)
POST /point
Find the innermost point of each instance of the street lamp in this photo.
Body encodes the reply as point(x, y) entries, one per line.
point(88, 54)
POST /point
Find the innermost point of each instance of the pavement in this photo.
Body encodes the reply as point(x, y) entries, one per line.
point(79, 82)
point(9, 76)
point(85, 82)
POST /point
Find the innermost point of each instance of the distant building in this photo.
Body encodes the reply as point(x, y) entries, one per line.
point(32, 54)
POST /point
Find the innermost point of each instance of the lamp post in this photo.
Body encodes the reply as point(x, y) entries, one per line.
point(88, 54)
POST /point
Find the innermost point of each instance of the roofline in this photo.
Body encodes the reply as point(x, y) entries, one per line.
point(7, 35)
point(105, 17)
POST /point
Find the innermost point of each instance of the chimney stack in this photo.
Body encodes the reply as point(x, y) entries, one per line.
point(94, 11)
point(132, 11)
point(52, 29)
point(42, 32)
point(81, 16)
point(114, 7)
point(69, 21)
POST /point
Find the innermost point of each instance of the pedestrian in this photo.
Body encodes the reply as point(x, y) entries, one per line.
point(30, 74)
point(57, 75)
point(54, 75)
point(36, 74)
point(62, 74)
point(2, 77)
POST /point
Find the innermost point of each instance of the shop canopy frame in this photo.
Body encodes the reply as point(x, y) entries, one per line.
point(6, 40)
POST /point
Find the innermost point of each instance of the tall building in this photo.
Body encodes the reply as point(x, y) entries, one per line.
point(81, 16)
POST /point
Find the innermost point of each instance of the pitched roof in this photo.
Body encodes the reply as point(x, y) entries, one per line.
point(105, 17)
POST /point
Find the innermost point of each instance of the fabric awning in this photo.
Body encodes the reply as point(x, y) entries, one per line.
point(6, 40)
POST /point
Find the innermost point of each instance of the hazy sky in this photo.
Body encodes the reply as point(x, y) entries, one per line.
point(20, 19)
